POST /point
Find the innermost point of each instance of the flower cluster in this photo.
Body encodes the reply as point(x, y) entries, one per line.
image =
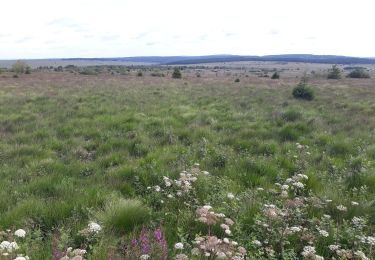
point(211, 246)
point(9, 248)
point(150, 244)
point(73, 254)
point(181, 186)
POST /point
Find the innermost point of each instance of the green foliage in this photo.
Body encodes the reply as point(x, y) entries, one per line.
point(123, 215)
point(302, 91)
point(334, 73)
point(176, 73)
point(275, 75)
point(20, 67)
point(139, 74)
point(237, 80)
point(359, 73)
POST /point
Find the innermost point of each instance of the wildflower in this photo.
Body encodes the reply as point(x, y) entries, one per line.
point(323, 233)
point(181, 257)
point(371, 240)
point(4, 245)
point(179, 246)
point(208, 207)
point(284, 194)
point(20, 233)
point(221, 255)
point(295, 229)
point(206, 173)
point(144, 257)
point(230, 196)
point(334, 248)
point(354, 203)
point(170, 196)
point(257, 243)
point(157, 188)
point(224, 226)
point(298, 185)
point(285, 187)
point(228, 232)
point(229, 222)
point(328, 201)
point(308, 251)
point(341, 208)
point(308, 153)
point(345, 254)
point(195, 251)
point(358, 222)
point(226, 240)
point(94, 227)
point(361, 255)
point(326, 216)
point(242, 250)
point(21, 258)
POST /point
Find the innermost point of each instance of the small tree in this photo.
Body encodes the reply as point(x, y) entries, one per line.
point(275, 75)
point(303, 91)
point(176, 73)
point(334, 73)
point(20, 67)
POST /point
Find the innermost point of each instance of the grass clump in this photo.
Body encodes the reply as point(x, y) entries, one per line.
point(123, 215)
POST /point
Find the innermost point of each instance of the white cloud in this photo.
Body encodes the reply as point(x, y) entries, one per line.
point(105, 28)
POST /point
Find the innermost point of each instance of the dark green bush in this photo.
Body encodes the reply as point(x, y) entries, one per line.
point(237, 80)
point(334, 73)
point(302, 91)
point(275, 75)
point(358, 73)
point(176, 73)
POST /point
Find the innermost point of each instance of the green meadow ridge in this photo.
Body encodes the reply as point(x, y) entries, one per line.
point(138, 166)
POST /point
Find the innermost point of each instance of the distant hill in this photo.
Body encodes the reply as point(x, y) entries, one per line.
point(184, 60)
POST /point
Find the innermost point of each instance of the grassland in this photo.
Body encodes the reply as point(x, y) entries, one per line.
point(72, 144)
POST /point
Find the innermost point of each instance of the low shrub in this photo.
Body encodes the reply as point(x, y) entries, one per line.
point(358, 73)
point(302, 91)
point(275, 75)
point(176, 73)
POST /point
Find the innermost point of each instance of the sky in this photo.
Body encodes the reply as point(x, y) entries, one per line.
point(34, 29)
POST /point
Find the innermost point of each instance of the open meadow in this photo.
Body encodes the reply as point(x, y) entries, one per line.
point(223, 163)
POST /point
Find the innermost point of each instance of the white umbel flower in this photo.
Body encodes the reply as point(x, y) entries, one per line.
point(94, 227)
point(179, 246)
point(20, 233)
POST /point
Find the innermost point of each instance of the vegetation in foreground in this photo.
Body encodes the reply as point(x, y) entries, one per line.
point(103, 167)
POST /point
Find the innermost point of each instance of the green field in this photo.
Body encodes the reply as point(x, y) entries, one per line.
point(76, 149)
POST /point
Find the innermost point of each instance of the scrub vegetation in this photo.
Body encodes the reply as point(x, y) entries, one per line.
point(117, 163)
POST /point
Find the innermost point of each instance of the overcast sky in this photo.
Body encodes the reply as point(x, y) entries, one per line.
point(119, 28)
